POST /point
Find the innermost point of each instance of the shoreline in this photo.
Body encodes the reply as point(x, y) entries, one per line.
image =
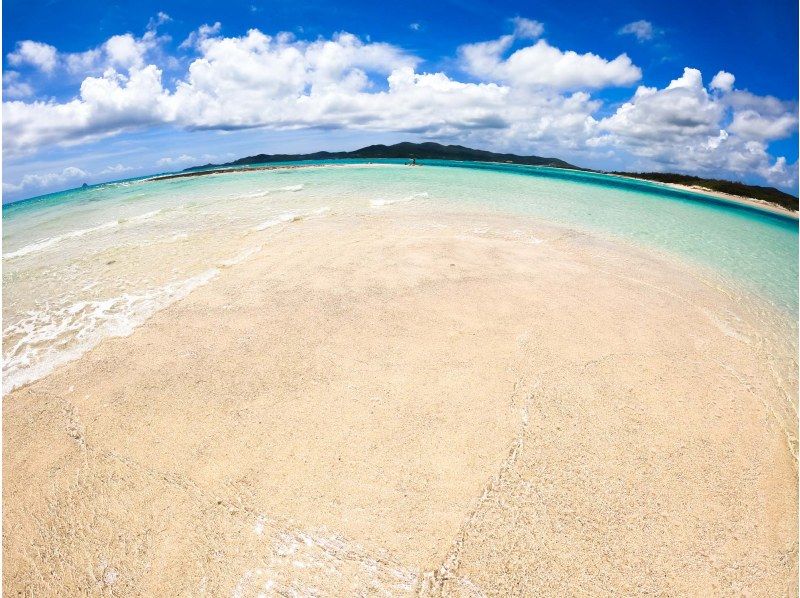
point(239, 169)
point(747, 201)
point(414, 404)
point(736, 199)
point(750, 201)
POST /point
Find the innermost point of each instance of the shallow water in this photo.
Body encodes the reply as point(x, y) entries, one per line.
point(86, 264)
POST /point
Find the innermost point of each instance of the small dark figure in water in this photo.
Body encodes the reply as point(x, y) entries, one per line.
point(413, 162)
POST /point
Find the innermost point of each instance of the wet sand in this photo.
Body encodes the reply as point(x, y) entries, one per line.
point(389, 404)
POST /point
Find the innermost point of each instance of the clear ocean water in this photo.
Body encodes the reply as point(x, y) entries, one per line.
point(85, 264)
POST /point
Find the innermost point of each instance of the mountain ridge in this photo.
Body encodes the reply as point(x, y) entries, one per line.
point(405, 150)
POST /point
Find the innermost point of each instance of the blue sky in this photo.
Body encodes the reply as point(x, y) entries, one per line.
point(98, 91)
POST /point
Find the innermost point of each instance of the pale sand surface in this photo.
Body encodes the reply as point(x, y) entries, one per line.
point(752, 201)
point(386, 405)
point(748, 201)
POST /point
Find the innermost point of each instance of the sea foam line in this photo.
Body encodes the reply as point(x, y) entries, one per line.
point(49, 242)
point(289, 217)
point(265, 192)
point(47, 339)
point(380, 202)
point(241, 256)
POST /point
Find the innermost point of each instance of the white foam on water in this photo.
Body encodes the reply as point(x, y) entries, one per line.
point(46, 339)
point(380, 202)
point(142, 217)
point(254, 194)
point(241, 257)
point(264, 192)
point(49, 242)
point(289, 217)
point(176, 237)
point(285, 217)
point(43, 244)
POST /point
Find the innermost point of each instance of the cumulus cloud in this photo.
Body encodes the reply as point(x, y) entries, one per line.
point(43, 181)
point(122, 52)
point(106, 105)
point(14, 87)
point(36, 54)
point(521, 96)
point(642, 30)
point(762, 118)
point(683, 127)
point(723, 81)
point(544, 65)
point(203, 33)
point(751, 124)
point(682, 109)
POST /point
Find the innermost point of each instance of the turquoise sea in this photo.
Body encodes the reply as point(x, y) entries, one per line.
point(89, 263)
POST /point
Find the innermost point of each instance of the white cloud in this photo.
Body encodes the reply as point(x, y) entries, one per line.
point(203, 33)
point(533, 98)
point(13, 86)
point(42, 56)
point(43, 181)
point(106, 105)
point(714, 142)
point(185, 159)
point(683, 127)
point(182, 159)
point(543, 65)
point(160, 18)
point(124, 51)
point(751, 124)
point(116, 169)
point(526, 28)
point(121, 52)
point(681, 110)
point(415, 26)
point(763, 118)
point(642, 30)
point(723, 81)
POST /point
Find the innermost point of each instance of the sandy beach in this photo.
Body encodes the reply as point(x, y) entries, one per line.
point(748, 201)
point(396, 405)
point(759, 203)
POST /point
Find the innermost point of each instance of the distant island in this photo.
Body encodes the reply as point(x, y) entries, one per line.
point(438, 151)
point(404, 150)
